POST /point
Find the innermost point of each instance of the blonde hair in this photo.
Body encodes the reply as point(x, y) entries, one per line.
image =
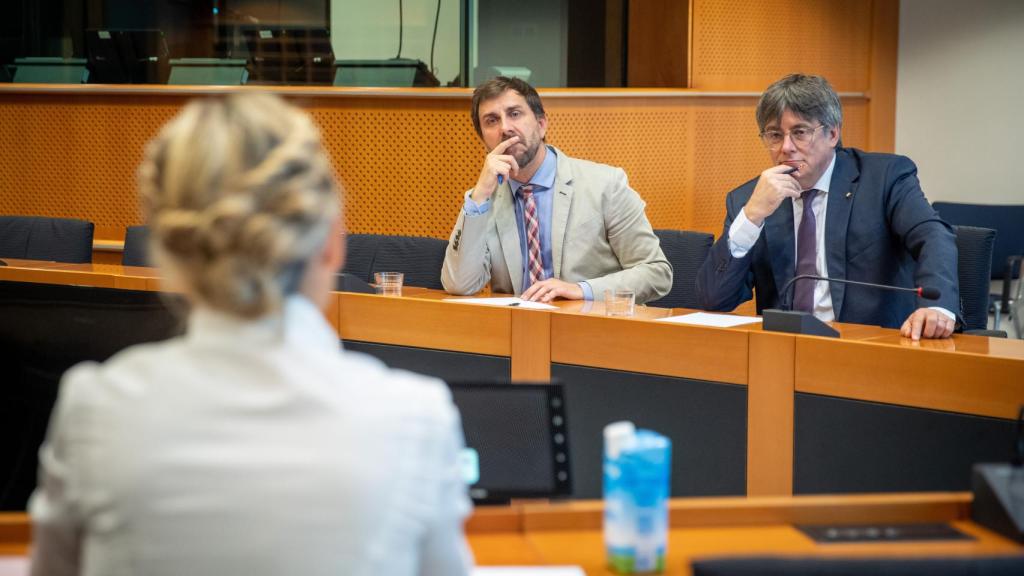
point(239, 196)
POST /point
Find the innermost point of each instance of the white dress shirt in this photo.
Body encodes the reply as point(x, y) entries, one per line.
point(743, 234)
point(250, 448)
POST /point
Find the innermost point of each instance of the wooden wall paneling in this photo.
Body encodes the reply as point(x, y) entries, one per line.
point(748, 44)
point(770, 389)
point(76, 157)
point(658, 44)
point(885, 31)
point(403, 163)
point(649, 138)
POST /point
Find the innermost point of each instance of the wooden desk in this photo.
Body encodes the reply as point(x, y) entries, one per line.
point(966, 380)
point(570, 533)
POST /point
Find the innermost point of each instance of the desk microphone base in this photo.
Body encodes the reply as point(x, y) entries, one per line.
point(795, 322)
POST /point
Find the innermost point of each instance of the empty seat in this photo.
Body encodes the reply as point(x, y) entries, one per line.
point(136, 247)
point(51, 239)
point(419, 258)
point(686, 251)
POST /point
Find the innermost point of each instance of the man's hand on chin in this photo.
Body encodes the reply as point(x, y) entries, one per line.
point(927, 323)
point(548, 290)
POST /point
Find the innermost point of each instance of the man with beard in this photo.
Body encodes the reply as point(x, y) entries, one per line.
point(541, 224)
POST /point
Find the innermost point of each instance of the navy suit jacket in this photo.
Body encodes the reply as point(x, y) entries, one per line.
point(879, 228)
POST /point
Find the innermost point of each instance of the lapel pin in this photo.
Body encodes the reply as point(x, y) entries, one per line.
point(849, 194)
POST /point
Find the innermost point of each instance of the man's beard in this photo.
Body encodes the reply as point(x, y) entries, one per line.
point(527, 155)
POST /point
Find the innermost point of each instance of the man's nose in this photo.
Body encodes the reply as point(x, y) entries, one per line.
point(788, 144)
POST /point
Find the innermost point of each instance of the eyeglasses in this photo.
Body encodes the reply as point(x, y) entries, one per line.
point(800, 135)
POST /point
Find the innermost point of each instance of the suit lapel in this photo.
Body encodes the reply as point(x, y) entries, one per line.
point(778, 235)
point(841, 194)
point(508, 234)
point(561, 200)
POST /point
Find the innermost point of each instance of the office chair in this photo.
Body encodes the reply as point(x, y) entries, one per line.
point(1007, 254)
point(420, 258)
point(51, 239)
point(974, 265)
point(686, 251)
point(783, 566)
point(136, 247)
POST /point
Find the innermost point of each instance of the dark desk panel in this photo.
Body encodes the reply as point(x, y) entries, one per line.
point(444, 364)
point(706, 421)
point(844, 446)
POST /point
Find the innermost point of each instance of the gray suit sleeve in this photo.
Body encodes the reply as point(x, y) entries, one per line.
point(645, 268)
point(467, 265)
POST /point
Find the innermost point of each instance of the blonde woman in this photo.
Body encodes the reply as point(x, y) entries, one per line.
point(253, 444)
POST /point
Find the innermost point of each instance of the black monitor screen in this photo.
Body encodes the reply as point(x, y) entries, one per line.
point(518, 433)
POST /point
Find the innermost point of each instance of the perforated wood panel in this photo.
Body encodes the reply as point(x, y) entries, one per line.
point(651, 139)
point(75, 157)
point(748, 44)
point(404, 162)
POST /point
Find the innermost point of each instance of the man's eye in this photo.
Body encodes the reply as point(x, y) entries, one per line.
point(514, 113)
point(774, 135)
point(799, 132)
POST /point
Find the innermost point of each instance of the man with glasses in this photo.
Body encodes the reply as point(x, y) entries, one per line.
point(834, 212)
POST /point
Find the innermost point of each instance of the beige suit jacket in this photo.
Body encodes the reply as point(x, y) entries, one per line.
point(599, 234)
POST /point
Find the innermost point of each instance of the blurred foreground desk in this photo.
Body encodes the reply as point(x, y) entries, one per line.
point(750, 412)
point(538, 534)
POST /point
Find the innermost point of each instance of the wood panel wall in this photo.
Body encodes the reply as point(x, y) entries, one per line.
point(404, 157)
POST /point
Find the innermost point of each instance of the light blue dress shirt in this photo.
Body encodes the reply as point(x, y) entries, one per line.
point(543, 181)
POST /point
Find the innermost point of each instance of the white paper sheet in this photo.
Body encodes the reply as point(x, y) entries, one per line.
point(528, 571)
point(510, 301)
point(14, 566)
point(706, 319)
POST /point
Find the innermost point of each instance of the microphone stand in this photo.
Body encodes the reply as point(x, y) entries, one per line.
point(784, 319)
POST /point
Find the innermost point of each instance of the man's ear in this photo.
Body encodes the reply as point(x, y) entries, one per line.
point(833, 136)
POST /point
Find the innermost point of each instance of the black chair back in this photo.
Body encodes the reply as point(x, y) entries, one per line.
point(136, 247)
point(974, 270)
point(419, 258)
point(51, 239)
point(686, 251)
point(1007, 220)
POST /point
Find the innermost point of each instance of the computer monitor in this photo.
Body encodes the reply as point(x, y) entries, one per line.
point(392, 72)
point(127, 56)
point(46, 329)
point(517, 440)
point(289, 55)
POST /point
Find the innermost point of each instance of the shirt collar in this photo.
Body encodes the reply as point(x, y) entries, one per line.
point(298, 323)
point(826, 178)
point(544, 177)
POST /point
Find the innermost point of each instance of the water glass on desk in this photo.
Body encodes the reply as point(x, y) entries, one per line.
point(619, 302)
point(389, 283)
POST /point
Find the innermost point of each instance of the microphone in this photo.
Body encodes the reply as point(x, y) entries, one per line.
point(926, 292)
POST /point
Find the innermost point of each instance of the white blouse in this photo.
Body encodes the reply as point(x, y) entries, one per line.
point(250, 448)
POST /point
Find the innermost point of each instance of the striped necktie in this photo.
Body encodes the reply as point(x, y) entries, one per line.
point(534, 264)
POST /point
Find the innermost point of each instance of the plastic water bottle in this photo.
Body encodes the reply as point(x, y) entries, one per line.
point(637, 466)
